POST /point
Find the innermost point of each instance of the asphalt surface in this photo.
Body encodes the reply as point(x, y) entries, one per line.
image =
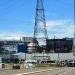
point(63, 71)
point(60, 71)
point(18, 71)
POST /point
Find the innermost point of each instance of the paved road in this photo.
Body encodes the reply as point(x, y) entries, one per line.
point(64, 71)
point(61, 71)
point(11, 72)
point(69, 72)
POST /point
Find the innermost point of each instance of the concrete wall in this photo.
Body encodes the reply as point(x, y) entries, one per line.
point(42, 56)
point(54, 56)
point(5, 56)
point(23, 56)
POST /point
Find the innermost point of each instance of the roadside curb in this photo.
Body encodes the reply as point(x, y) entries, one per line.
point(36, 72)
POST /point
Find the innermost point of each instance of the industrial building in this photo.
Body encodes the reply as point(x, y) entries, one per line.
point(52, 45)
point(8, 47)
point(13, 45)
point(59, 45)
point(65, 59)
point(17, 50)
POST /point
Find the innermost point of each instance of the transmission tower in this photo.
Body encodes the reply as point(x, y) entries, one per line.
point(73, 48)
point(40, 31)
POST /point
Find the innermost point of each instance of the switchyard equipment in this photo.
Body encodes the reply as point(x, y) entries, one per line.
point(40, 31)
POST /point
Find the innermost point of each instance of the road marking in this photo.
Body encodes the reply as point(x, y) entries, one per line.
point(29, 73)
point(60, 74)
point(65, 72)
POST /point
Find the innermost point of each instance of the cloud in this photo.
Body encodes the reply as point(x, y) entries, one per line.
point(60, 28)
point(14, 36)
point(51, 24)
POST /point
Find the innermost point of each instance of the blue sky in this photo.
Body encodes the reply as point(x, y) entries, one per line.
point(17, 17)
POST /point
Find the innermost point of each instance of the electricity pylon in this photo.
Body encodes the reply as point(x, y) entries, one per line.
point(40, 31)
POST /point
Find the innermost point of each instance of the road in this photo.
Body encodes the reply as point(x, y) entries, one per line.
point(61, 71)
point(18, 71)
point(64, 71)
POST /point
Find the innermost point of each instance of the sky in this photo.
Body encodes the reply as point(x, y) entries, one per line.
point(17, 18)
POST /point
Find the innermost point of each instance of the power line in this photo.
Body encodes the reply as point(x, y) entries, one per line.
point(65, 2)
point(8, 5)
point(10, 8)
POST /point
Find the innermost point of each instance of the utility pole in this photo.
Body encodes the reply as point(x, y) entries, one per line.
point(54, 44)
point(73, 48)
point(40, 31)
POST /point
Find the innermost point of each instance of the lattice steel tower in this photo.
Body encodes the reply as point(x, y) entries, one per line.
point(40, 31)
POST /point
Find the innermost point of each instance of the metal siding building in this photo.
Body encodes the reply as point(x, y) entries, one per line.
point(22, 48)
point(60, 45)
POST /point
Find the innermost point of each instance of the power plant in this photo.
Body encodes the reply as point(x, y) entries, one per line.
point(39, 47)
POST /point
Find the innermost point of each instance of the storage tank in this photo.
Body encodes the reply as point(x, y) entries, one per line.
point(0, 63)
point(31, 47)
point(22, 48)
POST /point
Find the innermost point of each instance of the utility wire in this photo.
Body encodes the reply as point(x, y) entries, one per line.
point(11, 4)
point(8, 9)
point(65, 2)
